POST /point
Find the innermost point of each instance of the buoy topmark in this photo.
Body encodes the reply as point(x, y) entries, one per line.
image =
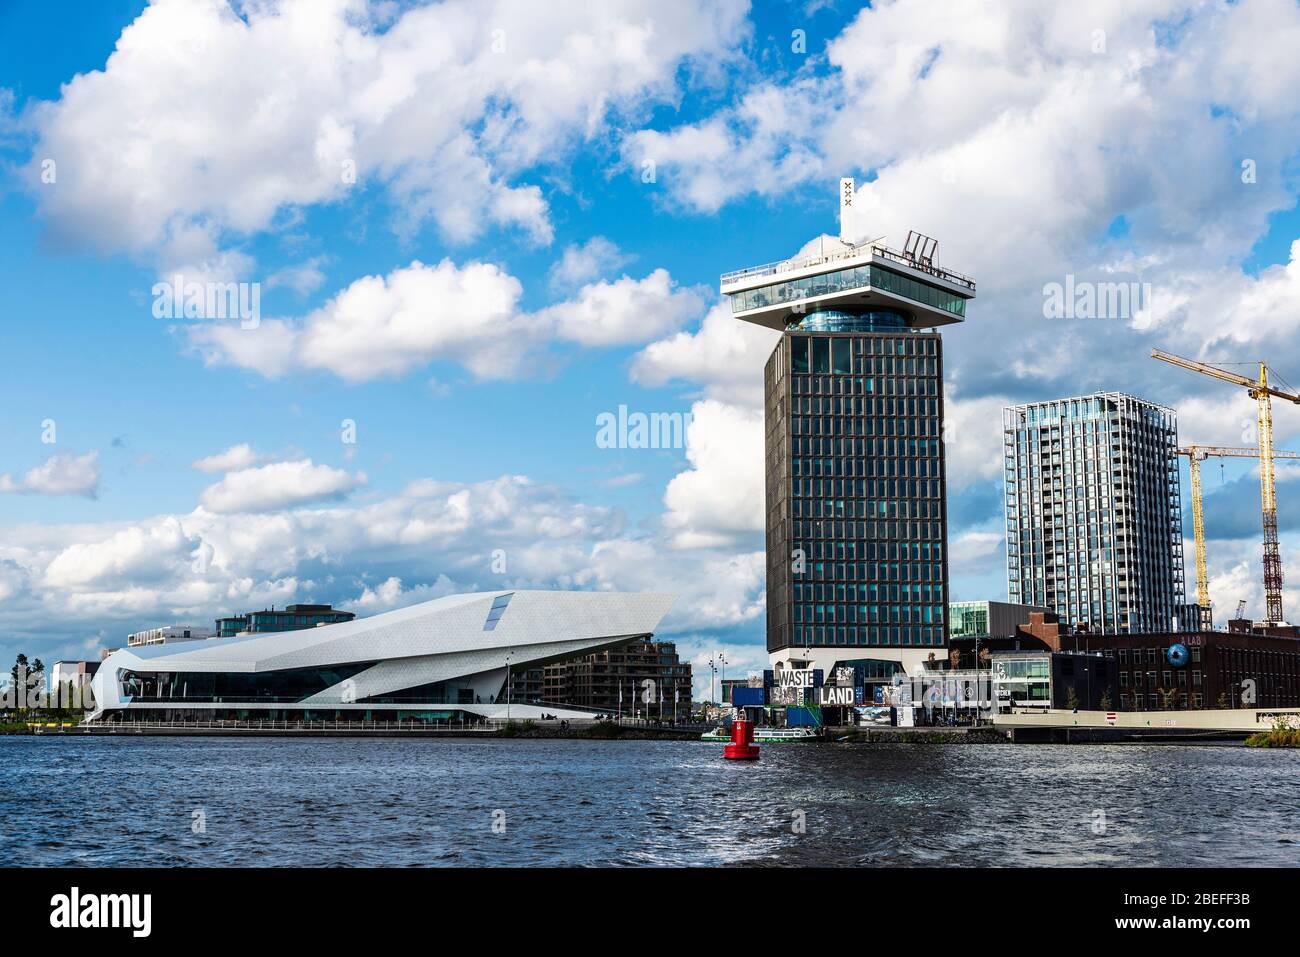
point(742, 746)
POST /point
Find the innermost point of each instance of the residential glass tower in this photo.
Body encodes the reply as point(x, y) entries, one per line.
point(1094, 511)
point(857, 564)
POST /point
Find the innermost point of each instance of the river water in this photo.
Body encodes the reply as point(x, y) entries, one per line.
point(366, 802)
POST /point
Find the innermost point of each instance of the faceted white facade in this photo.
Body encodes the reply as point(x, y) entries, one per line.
point(470, 640)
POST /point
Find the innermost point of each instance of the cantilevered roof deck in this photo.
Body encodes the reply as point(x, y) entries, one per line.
point(776, 295)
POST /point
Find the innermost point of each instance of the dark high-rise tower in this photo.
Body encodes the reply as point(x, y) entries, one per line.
point(857, 565)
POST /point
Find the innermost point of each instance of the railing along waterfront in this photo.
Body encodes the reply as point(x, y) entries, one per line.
point(487, 725)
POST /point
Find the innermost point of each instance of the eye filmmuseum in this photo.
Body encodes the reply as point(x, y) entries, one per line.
point(857, 567)
point(447, 659)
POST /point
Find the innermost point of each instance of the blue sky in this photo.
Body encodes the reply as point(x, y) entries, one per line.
point(554, 283)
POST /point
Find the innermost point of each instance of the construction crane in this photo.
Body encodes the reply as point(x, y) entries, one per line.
point(1195, 455)
point(1259, 390)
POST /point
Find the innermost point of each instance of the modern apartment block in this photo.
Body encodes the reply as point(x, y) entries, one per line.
point(857, 564)
point(596, 681)
point(1094, 512)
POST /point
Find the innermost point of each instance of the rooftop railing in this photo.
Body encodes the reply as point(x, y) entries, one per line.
point(850, 252)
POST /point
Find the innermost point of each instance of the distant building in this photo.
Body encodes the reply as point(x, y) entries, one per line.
point(168, 633)
point(753, 681)
point(596, 680)
point(983, 619)
point(1022, 679)
point(1094, 514)
point(1179, 669)
point(292, 618)
point(76, 673)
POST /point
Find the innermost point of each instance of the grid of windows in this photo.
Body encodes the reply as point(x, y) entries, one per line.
point(855, 490)
point(844, 280)
point(1094, 514)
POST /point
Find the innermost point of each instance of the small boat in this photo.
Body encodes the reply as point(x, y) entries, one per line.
point(767, 735)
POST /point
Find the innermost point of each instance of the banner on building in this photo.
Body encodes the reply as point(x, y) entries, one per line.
point(795, 678)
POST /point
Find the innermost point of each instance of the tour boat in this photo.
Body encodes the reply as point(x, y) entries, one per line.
point(766, 735)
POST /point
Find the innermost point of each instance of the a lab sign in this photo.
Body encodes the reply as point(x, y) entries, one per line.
point(830, 696)
point(794, 678)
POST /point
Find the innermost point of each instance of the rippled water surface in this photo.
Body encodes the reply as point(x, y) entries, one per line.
point(106, 801)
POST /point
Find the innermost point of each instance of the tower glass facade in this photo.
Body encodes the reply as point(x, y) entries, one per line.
point(1094, 511)
point(856, 518)
point(857, 566)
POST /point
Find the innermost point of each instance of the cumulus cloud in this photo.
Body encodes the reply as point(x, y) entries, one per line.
point(232, 459)
point(719, 499)
point(724, 357)
point(277, 486)
point(428, 539)
point(445, 105)
point(60, 474)
point(623, 312)
point(387, 326)
point(134, 556)
point(582, 263)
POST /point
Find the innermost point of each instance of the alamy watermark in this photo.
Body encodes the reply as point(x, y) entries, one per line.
point(1084, 299)
point(642, 430)
point(179, 299)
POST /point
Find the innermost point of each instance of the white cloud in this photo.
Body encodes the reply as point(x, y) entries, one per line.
point(972, 547)
point(277, 486)
point(390, 594)
point(725, 357)
point(720, 498)
point(232, 459)
point(446, 106)
point(972, 438)
point(623, 312)
point(133, 556)
point(439, 536)
point(60, 474)
point(586, 262)
point(387, 326)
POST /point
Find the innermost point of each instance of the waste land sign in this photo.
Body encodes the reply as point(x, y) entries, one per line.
point(833, 696)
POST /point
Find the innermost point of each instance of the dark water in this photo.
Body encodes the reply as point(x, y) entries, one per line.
point(103, 801)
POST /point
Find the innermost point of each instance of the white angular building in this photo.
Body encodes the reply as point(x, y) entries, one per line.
point(446, 659)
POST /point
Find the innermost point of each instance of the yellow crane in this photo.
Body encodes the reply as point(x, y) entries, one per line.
point(1195, 455)
point(1259, 390)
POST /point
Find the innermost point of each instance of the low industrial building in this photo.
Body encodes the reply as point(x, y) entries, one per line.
point(291, 618)
point(441, 660)
point(166, 633)
point(75, 673)
point(1172, 670)
point(987, 619)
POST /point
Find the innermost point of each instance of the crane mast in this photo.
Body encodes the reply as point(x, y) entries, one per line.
point(1195, 454)
point(1262, 392)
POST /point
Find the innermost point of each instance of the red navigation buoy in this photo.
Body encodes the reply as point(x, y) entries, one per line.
point(742, 746)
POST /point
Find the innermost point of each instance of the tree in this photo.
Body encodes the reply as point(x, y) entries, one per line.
point(1072, 699)
point(1222, 703)
point(1104, 702)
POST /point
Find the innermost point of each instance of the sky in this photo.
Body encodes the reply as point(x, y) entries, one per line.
point(472, 229)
